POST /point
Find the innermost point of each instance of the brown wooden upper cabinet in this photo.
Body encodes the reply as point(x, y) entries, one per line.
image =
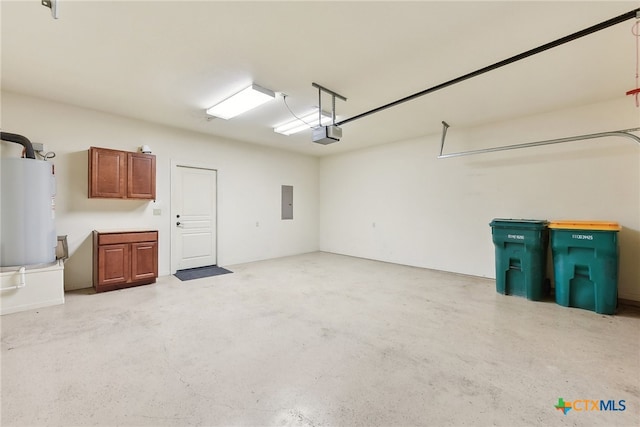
point(119, 174)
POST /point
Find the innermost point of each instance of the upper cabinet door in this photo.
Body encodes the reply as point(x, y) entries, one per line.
point(107, 173)
point(120, 174)
point(141, 176)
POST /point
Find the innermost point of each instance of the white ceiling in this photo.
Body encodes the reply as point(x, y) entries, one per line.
point(166, 62)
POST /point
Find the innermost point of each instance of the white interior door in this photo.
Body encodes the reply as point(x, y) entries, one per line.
point(193, 216)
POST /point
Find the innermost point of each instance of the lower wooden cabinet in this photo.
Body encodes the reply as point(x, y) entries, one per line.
point(122, 259)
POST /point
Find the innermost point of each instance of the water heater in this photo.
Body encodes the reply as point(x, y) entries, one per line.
point(27, 212)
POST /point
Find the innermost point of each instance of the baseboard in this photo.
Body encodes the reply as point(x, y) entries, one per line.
point(629, 302)
point(33, 306)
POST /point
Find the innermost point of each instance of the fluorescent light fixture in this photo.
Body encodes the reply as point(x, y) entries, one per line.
point(243, 101)
point(303, 123)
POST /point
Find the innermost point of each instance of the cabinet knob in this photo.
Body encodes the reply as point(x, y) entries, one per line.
point(178, 223)
point(178, 216)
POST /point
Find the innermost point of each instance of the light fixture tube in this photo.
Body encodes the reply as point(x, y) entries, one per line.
point(303, 123)
point(243, 101)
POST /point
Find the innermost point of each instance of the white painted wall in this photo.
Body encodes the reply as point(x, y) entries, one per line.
point(249, 182)
point(397, 202)
point(427, 212)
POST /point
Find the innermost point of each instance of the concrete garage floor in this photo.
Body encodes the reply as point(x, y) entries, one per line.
point(315, 340)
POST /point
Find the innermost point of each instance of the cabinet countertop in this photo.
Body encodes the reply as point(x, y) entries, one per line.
point(125, 230)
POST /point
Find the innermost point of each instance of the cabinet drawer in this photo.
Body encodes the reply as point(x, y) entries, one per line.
point(117, 238)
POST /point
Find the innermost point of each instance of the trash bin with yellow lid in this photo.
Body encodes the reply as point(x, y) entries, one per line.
point(585, 264)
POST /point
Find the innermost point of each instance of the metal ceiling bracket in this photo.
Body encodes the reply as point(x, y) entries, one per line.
point(53, 5)
point(334, 95)
point(445, 126)
point(620, 133)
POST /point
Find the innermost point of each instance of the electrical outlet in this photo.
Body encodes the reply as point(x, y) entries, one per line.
point(37, 146)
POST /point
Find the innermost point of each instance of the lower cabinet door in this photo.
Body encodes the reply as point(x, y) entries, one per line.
point(114, 266)
point(144, 261)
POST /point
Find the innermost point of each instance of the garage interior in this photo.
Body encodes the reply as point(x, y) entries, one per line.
point(367, 296)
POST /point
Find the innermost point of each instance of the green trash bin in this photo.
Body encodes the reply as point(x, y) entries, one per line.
point(521, 257)
point(585, 264)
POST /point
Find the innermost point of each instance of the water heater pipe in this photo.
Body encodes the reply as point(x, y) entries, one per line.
point(19, 139)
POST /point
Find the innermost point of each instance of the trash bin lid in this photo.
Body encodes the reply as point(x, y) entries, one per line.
point(585, 225)
point(518, 223)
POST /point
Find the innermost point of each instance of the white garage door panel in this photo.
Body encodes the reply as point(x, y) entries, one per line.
point(196, 245)
point(194, 225)
point(200, 183)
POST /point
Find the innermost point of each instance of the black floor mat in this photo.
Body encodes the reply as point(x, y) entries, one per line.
point(200, 272)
